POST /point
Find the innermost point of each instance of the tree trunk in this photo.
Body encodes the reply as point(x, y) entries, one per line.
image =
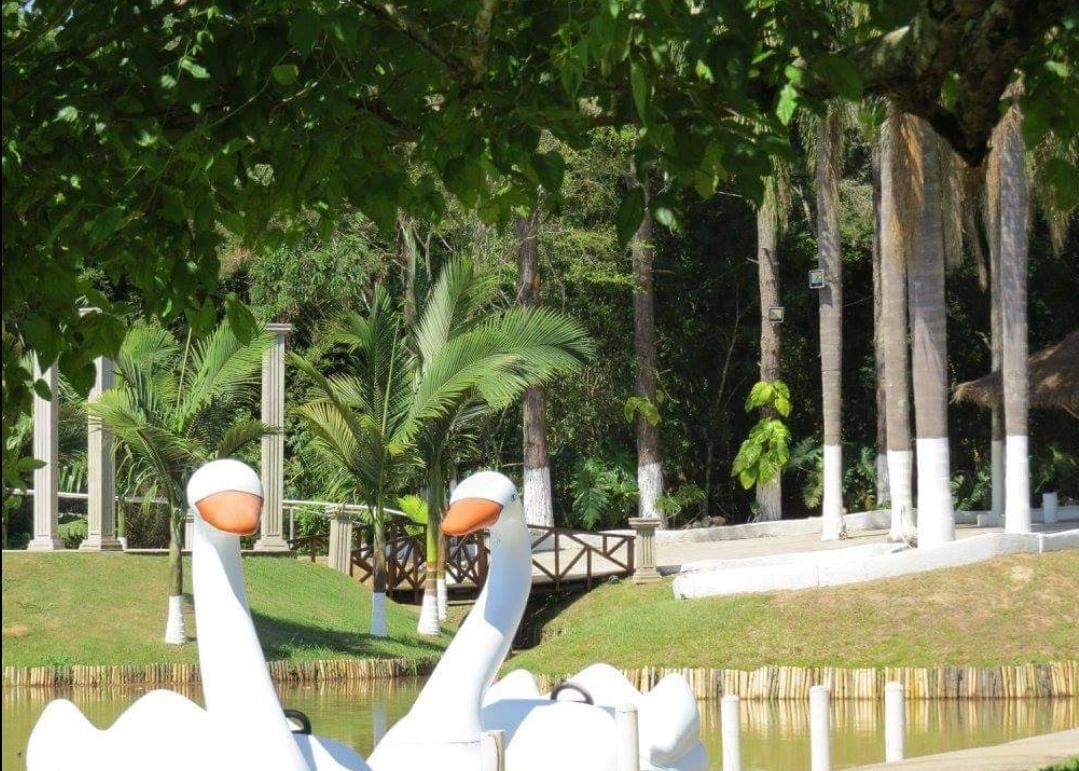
point(429, 621)
point(1014, 214)
point(649, 459)
point(830, 257)
point(769, 495)
point(996, 350)
point(175, 632)
point(883, 494)
point(893, 292)
point(378, 563)
point(929, 353)
point(538, 500)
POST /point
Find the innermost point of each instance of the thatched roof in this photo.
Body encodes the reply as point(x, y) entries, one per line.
point(1054, 379)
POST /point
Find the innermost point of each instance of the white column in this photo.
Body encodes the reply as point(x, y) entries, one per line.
point(273, 445)
point(820, 729)
point(730, 718)
point(895, 722)
point(627, 733)
point(1049, 508)
point(101, 468)
point(340, 551)
point(46, 441)
point(189, 529)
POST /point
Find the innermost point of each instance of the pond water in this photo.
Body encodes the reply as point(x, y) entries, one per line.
point(775, 735)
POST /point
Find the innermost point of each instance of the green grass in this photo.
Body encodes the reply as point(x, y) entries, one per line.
point(1010, 610)
point(110, 609)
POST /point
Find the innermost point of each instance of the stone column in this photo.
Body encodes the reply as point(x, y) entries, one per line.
point(273, 445)
point(645, 549)
point(101, 467)
point(340, 556)
point(46, 441)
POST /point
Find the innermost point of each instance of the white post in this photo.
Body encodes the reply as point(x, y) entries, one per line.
point(820, 729)
point(895, 722)
point(1049, 508)
point(189, 529)
point(627, 752)
point(493, 750)
point(100, 466)
point(46, 441)
point(730, 718)
point(340, 556)
point(273, 445)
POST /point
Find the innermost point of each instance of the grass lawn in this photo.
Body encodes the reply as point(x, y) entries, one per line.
point(110, 609)
point(1010, 610)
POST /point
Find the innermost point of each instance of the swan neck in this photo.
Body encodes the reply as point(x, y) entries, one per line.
point(236, 684)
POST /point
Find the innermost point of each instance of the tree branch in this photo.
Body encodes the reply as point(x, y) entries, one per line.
point(391, 15)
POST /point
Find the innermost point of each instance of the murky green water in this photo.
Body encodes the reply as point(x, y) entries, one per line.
point(775, 735)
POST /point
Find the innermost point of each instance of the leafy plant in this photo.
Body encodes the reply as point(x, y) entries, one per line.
point(972, 491)
point(766, 450)
point(673, 503)
point(604, 490)
point(807, 457)
point(1057, 470)
point(860, 480)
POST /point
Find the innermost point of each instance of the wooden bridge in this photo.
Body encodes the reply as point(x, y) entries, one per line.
point(561, 557)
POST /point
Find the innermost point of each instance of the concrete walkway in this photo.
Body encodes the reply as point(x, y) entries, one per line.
point(670, 556)
point(1036, 752)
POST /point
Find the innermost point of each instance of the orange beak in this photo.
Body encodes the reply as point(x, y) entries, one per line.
point(469, 515)
point(231, 511)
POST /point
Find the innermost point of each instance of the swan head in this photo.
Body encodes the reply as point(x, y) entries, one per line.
point(484, 501)
point(227, 494)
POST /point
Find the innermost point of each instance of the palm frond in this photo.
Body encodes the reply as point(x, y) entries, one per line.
point(239, 435)
point(452, 302)
point(220, 368)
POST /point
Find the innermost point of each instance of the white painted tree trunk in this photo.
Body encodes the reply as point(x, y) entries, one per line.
point(832, 526)
point(175, 632)
point(538, 496)
point(650, 486)
point(936, 518)
point(378, 615)
point(443, 601)
point(1017, 484)
point(900, 475)
point(429, 621)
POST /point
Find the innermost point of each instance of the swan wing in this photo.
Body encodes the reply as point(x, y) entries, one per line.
point(542, 734)
point(322, 754)
point(669, 721)
point(518, 684)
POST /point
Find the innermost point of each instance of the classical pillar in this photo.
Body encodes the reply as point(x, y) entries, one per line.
point(340, 556)
point(101, 468)
point(644, 549)
point(46, 440)
point(273, 445)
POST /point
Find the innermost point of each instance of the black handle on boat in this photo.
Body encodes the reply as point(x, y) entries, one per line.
point(301, 718)
point(571, 687)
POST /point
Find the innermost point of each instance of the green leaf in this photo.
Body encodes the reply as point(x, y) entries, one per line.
point(630, 213)
point(67, 114)
point(664, 211)
point(303, 32)
point(197, 71)
point(285, 74)
point(788, 102)
point(638, 79)
point(241, 320)
point(551, 168)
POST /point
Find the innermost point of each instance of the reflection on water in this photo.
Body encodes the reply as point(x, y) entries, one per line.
point(775, 735)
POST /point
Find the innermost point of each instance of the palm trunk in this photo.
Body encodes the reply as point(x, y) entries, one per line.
point(893, 292)
point(829, 253)
point(649, 459)
point(429, 621)
point(1014, 215)
point(996, 334)
point(769, 495)
point(175, 632)
point(378, 562)
point(538, 503)
point(883, 494)
point(929, 359)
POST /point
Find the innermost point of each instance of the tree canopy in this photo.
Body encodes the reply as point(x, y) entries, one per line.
point(139, 135)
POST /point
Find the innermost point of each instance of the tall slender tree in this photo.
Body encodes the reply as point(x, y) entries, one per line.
point(649, 457)
point(894, 207)
point(538, 498)
point(929, 347)
point(1014, 221)
point(880, 382)
point(830, 256)
point(769, 220)
point(996, 335)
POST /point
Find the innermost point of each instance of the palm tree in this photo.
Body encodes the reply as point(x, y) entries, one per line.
point(402, 396)
point(539, 507)
point(829, 251)
point(174, 408)
point(929, 347)
point(895, 175)
point(649, 457)
point(770, 216)
point(883, 494)
point(1014, 216)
